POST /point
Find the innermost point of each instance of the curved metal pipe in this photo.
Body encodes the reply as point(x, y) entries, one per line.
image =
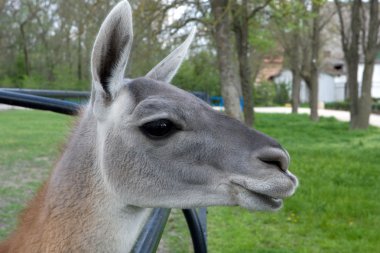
point(37, 102)
point(196, 231)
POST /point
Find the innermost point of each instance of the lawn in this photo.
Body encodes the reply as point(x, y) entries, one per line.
point(336, 208)
point(29, 146)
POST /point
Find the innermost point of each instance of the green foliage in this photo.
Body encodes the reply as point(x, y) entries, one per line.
point(268, 94)
point(261, 39)
point(62, 80)
point(6, 81)
point(65, 80)
point(12, 72)
point(340, 105)
point(199, 73)
point(282, 94)
point(290, 16)
point(18, 70)
point(34, 81)
point(58, 38)
point(264, 94)
point(376, 106)
point(345, 106)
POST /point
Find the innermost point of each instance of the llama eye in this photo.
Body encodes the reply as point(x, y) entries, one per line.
point(158, 128)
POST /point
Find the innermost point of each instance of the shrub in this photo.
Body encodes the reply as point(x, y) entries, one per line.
point(340, 105)
point(264, 94)
point(33, 81)
point(199, 73)
point(376, 106)
point(282, 94)
point(345, 106)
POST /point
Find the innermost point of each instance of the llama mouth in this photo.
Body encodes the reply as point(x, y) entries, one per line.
point(259, 198)
point(275, 203)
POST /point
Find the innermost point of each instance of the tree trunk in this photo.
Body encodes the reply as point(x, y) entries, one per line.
point(295, 66)
point(370, 50)
point(296, 87)
point(314, 73)
point(351, 54)
point(350, 44)
point(352, 61)
point(79, 63)
point(247, 91)
point(314, 83)
point(352, 83)
point(222, 38)
point(25, 49)
point(49, 58)
point(240, 23)
point(365, 100)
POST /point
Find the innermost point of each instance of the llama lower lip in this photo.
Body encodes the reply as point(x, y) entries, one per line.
point(273, 203)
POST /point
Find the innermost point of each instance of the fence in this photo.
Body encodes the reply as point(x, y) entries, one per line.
point(151, 234)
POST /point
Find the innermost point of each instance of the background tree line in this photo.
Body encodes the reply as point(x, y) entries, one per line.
point(46, 44)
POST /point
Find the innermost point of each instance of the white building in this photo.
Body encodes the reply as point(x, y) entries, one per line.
point(331, 88)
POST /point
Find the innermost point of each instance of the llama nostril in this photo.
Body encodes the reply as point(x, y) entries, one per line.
point(278, 163)
point(275, 157)
point(274, 163)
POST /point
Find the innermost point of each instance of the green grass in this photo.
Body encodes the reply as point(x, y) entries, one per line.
point(336, 208)
point(30, 143)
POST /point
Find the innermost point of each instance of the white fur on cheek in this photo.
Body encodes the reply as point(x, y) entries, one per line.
point(115, 115)
point(102, 130)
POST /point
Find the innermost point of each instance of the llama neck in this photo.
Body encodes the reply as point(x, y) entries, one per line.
point(109, 223)
point(75, 211)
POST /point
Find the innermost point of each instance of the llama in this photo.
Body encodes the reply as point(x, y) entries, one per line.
point(143, 143)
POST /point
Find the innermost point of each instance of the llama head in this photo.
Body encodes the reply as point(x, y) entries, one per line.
point(159, 146)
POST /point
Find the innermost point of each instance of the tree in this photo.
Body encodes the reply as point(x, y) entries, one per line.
point(371, 46)
point(298, 27)
point(23, 15)
point(225, 52)
point(362, 30)
point(198, 73)
point(289, 19)
point(215, 19)
point(312, 64)
point(150, 26)
point(311, 48)
point(242, 13)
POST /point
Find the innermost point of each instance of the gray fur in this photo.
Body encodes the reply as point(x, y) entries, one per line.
point(111, 173)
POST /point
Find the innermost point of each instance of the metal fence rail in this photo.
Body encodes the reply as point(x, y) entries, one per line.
point(51, 93)
point(37, 102)
point(197, 232)
point(151, 234)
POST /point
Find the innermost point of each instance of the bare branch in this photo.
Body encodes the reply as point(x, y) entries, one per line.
point(342, 26)
point(364, 30)
point(371, 44)
point(327, 20)
point(178, 27)
point(258, 8)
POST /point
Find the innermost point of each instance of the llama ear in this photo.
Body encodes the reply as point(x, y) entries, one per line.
point(168, 67)
point(111, 51)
